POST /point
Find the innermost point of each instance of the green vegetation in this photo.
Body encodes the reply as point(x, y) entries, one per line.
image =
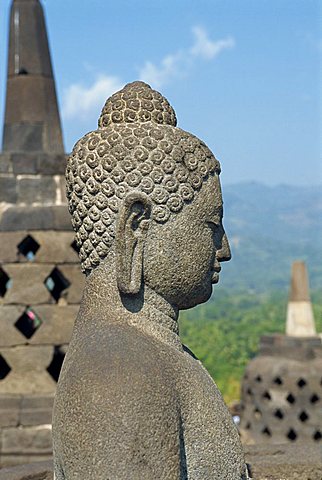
point(224, 333)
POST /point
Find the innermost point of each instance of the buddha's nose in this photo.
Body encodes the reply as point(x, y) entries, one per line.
point(224, 253)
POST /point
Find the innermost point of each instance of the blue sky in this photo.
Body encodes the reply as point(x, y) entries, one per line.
point(243, 75)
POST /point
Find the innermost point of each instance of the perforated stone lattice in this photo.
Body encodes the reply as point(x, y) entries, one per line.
point(4, 282)
point(40, 289)
point(282, 407)
point(28, 247)
point(28, 323)
point(56, 283)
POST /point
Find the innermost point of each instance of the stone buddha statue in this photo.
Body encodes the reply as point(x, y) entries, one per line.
point(133, 403)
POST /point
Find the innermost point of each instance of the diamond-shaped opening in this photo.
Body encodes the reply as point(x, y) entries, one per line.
point(75, 246)
point(290, 398)
point(28, 323)
point(291, 435)
point(28, 247)
point(315, 398)
point(301, 383)
point(257, 413)
point(303, 416)
point(258, 379)
point(5, 282)
point(267, 396)
point(317, 436)
point(56, 283)
point(266, 431)
point(279, 414)
point(278, 381)
point(55, 365)
point(4, 368)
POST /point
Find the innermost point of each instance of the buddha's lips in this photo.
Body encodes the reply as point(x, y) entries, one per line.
point(215, 277)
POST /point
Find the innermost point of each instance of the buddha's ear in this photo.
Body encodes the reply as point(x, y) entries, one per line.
point(132, 227)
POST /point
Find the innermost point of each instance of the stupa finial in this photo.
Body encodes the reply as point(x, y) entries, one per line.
point(300, 319)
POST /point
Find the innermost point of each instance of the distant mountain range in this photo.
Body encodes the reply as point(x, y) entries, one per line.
point(269, 228)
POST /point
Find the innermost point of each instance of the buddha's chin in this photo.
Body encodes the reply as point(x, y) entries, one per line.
point(197, 299)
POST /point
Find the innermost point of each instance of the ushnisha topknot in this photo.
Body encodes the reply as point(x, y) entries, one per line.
point(137, 103)
point(137, 147)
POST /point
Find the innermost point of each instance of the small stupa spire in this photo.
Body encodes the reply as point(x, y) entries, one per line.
point(300, 319)
point(32, 120)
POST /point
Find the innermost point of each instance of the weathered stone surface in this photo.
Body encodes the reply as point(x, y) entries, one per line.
point(9, 335)
point(8, 189)
point(58, 251)
point(281, 389)
point(38, 189)
point(35, 218)
point(146, 205)
point(31, 119)
point(57, 324)
point(5, 163)
point(27, 284)
point(24, 163)
point(26, 440)
point(285, 462)
point(36, 410)
point(28, 373)
point(9, 411)
point(42, 470)
point(77, 281)
point(35, 417)
point(51, 164)
point(9, 242)
point(280, 462)
point(37, 163)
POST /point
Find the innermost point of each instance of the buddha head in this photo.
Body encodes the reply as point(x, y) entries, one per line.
point(146, 201)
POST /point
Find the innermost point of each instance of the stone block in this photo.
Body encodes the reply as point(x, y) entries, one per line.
point(8, 189)
point(48, 164)
point(77, 282)
point(285, 461)
point(27, 440)
point(62, 219)
point(9, 242)
point(37, 402)
point(5, 163)
point(55, 247)
point(35, 417)
point(27, 284)
point(62, 185)
point(9, 410)
point(9, 334)
point(57, 326)
point(22, 470)
point(23, 137)
point(35, 218)
point(28, 375)
point(40, 189)
point(24, 163)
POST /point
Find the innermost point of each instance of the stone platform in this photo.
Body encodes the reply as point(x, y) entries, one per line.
point(267, 462)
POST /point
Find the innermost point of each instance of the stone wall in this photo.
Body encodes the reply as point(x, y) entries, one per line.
point(40, 290)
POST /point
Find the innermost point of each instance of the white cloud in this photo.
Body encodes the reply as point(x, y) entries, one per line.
point(81, 101)
point(159, 75)
point(176, 64)
point(206, 48)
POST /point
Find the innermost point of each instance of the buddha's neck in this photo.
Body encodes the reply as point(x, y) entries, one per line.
point(102, 304)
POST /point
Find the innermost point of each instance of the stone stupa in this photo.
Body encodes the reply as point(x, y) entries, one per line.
point(40, 279)
point(282, 386)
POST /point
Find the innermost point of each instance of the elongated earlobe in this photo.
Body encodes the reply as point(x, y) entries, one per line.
point(132, 227)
